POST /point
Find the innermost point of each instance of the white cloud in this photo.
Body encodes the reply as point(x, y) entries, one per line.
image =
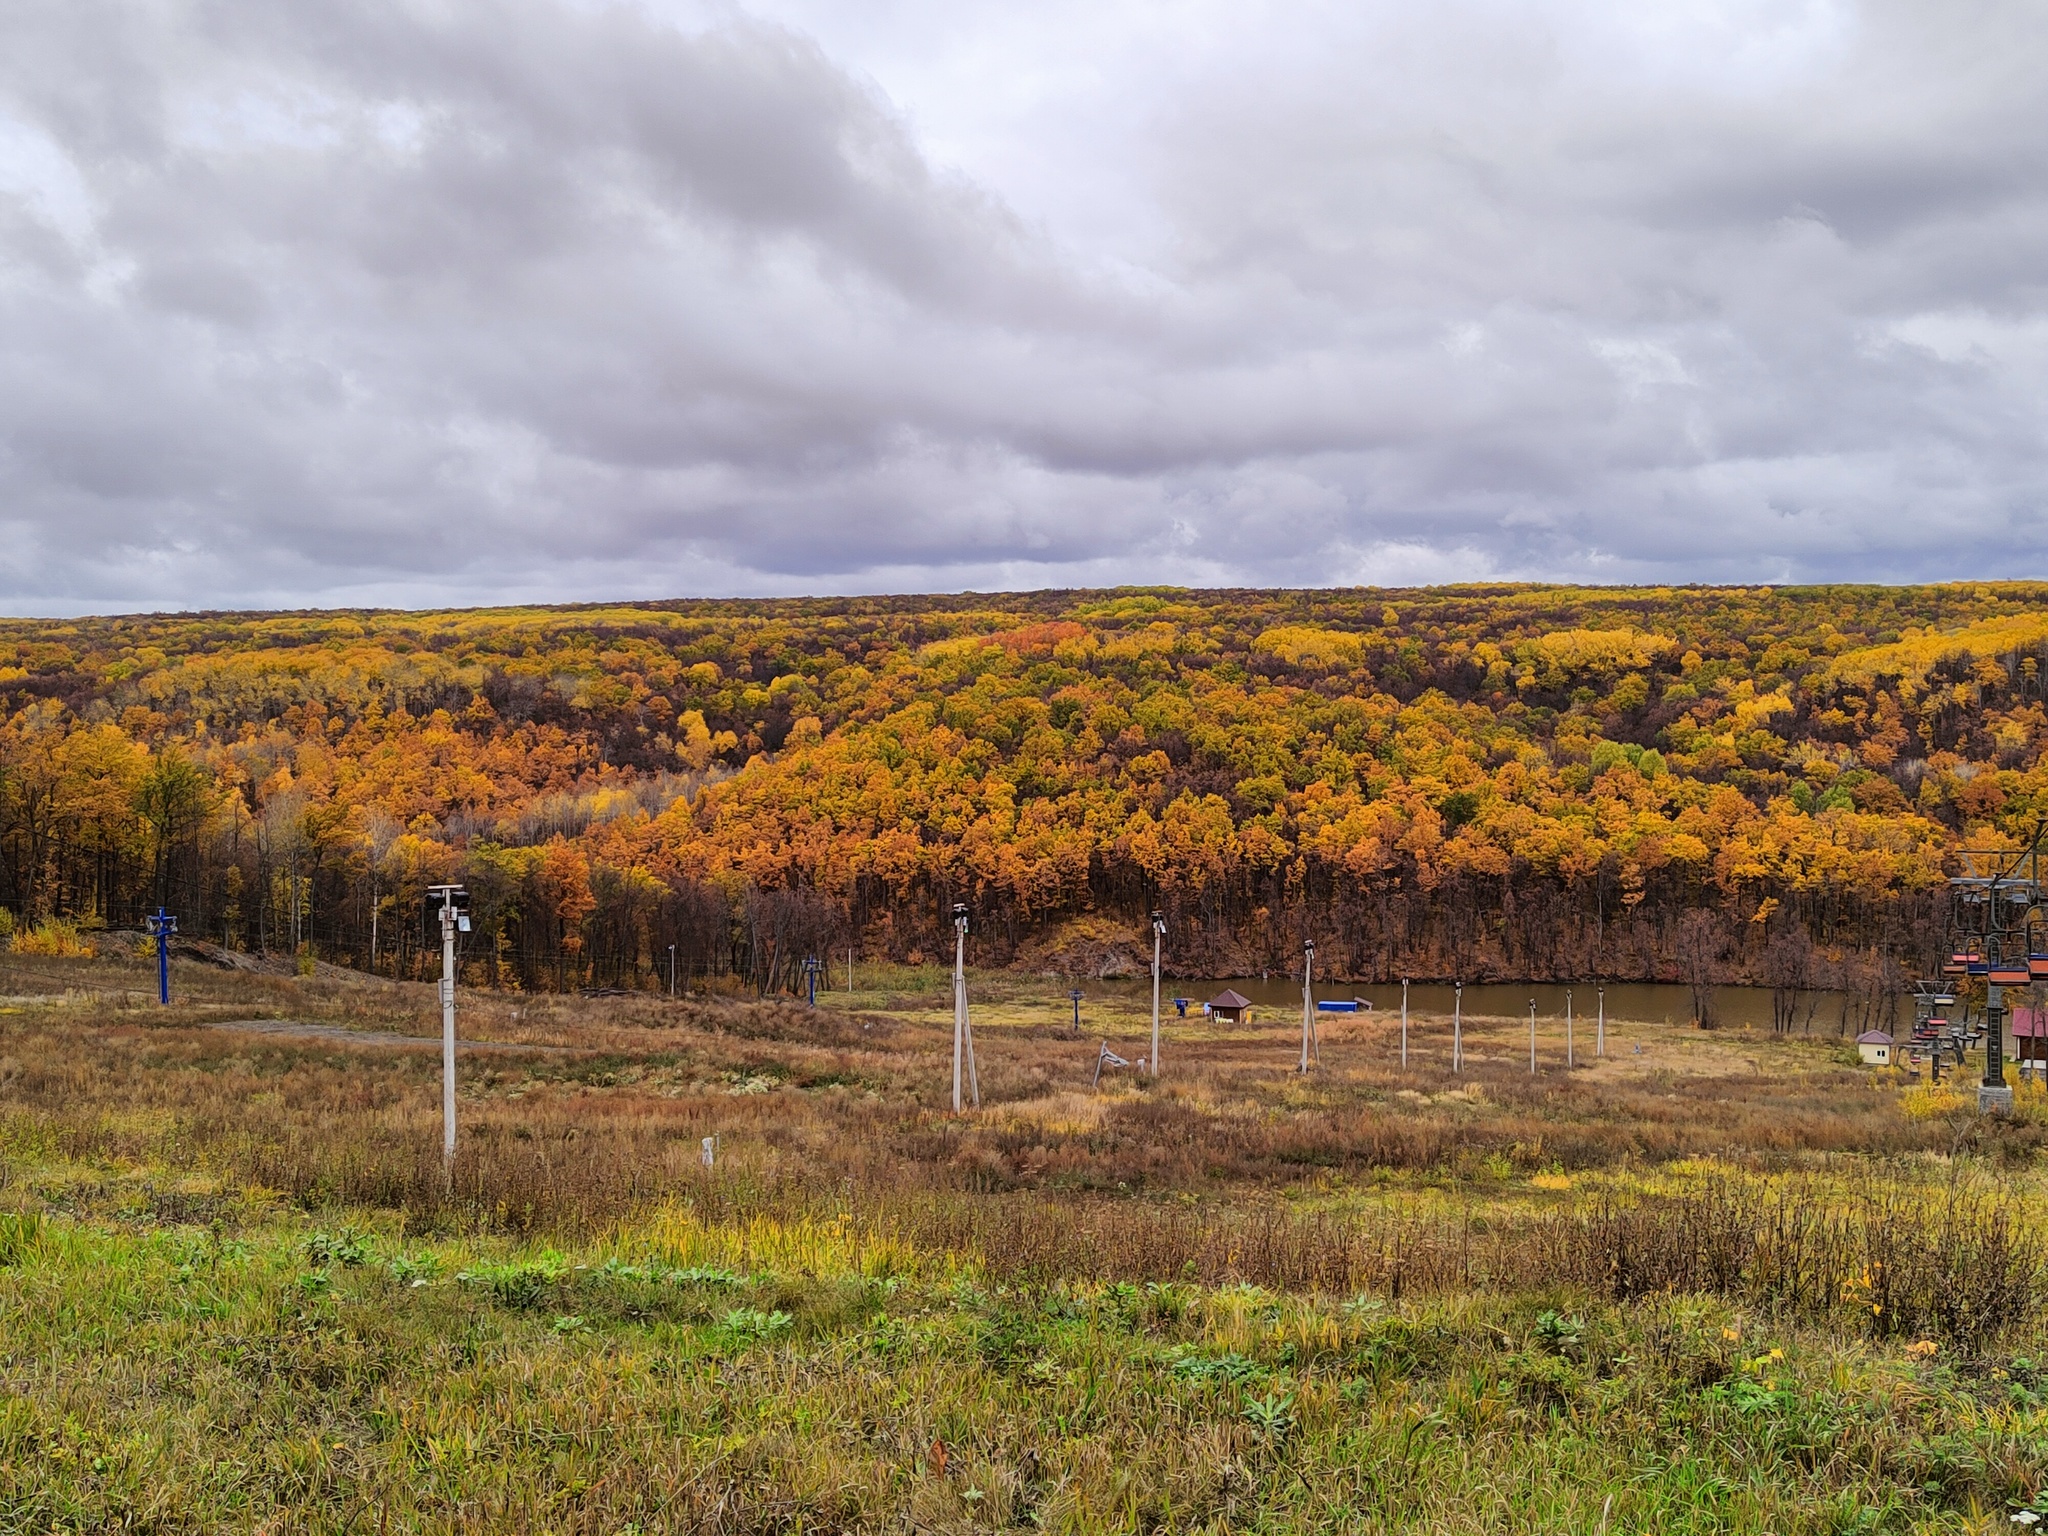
point(531, 298)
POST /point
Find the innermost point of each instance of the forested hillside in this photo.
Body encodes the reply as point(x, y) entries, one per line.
point(1504, 781)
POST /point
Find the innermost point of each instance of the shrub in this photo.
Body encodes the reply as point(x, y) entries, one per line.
point(51, 936)
point(520, 1286)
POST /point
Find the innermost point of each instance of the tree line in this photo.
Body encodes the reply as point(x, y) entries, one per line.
point(1686, 784)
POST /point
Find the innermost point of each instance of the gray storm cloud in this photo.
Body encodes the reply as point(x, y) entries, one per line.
point(423, 302)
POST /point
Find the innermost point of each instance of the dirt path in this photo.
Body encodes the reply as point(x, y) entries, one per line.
point(297, 1029)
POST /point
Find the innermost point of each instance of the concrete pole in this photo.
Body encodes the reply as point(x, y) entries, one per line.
point(1532, 1037)
point(963, 1026)
point(1457, 1026)
point(959, 1007)
point(448, 1035)
point(1568, 1061)
point(1158, 938)
point(1308, 998)
point(1404, 1023)
point(1600, 1030)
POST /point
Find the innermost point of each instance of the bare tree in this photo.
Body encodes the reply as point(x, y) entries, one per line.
point(1701, 944)
point(1788, 967)
point(380, 832)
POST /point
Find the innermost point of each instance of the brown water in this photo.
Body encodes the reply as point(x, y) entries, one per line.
point(1645, 1002)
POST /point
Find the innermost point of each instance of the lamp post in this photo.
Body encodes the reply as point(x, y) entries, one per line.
point(1457, 1026)
point(671, 970)
point(1074, 997)
point(1158, 938)
point(161, 926)
point(1600, 1029)
point(1308, 1002)
point(448, 909)
point(963, 1030)
point(1532, 1037)
point(1568, 1063)
point(1404, 1023)
point(811, 978)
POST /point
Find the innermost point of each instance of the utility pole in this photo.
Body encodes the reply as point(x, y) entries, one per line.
point(1404, 1023)
point(1308, 1003)
point(1457, 1026)
point(448, 909)
point(1158, 938)
point(963, 1030)
point(1600, 1030)
point(1568, 1029)
point(1532, 1037)
point(161, 926)
point(671, 970)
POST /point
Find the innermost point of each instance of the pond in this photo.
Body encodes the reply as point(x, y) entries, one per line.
point(1646, 1002)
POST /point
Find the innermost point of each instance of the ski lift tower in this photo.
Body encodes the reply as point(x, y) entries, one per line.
point(1998, 930)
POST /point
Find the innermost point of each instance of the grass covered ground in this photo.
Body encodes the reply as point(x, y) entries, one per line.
point(1723, 1284)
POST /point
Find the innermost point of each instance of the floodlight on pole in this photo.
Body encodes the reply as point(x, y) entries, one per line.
point(449, 904)
point(1158, 938)
point(161, 926)
point(811, 977)
point(1308, 1004)
point(963, 1028)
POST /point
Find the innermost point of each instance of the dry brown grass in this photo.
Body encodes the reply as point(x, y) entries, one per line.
point(1231, 1168)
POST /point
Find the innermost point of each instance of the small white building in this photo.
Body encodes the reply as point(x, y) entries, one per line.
point(1875, 1046)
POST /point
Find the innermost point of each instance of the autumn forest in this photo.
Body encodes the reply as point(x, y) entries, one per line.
point(1757, 784)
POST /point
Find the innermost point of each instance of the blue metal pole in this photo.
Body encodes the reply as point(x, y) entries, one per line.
point(163, 959)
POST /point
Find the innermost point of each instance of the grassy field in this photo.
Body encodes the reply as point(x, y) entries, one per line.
point(1713, 1282)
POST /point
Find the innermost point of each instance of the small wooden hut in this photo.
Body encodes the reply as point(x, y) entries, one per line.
point(2030, 1035)
point(1875, 1046)
point(1230, 1006)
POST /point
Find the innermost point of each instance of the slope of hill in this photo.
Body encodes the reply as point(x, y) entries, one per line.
point(1481, 780)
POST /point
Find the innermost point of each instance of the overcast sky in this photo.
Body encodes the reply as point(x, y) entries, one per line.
point(433, 301)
